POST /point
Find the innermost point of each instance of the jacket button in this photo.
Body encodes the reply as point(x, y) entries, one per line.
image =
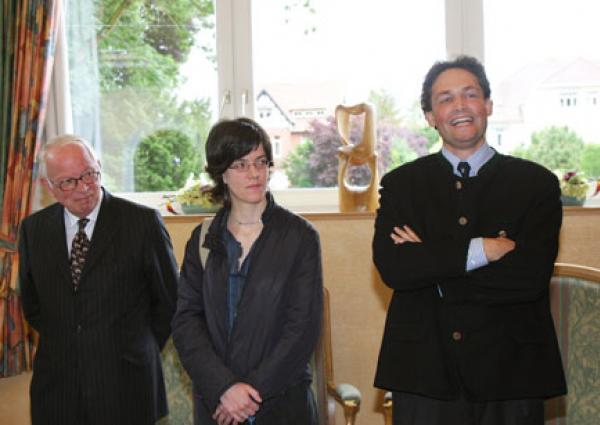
point(457, 336)
point(463, 221)
point(458, 185)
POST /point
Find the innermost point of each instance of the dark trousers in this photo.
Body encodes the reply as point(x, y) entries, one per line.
point(295, 407)
point(412, 409)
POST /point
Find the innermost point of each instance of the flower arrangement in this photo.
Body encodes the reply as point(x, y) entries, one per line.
point(574, 188)
point(574, 185)
point(194, 197)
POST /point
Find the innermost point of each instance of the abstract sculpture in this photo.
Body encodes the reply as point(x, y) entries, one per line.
point(357, 198)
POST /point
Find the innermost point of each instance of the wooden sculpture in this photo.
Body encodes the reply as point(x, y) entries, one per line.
point(353, 198)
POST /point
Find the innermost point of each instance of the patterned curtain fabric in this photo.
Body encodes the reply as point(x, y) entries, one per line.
point(28, 31)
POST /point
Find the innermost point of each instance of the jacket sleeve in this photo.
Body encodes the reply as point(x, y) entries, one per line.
point(29, 295)
point(205, 367)
point(526, 270)
point(161, 273)
point(301, 321)
point(410, 265)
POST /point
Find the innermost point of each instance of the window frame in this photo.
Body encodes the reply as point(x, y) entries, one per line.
point(236, 94)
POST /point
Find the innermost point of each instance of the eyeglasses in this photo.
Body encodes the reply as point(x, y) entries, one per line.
point(242, 165)
point(67, 185)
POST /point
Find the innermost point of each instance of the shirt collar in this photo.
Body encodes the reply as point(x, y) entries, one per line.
point(476, 161)
point(71, 219)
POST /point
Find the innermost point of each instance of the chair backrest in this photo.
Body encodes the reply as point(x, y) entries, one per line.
point(321, 363)
point(575, 303)
point(179, 389)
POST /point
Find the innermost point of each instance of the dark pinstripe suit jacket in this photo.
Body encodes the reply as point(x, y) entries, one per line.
point(100, 346)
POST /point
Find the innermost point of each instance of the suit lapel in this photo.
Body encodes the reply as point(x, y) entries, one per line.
point(104, 231)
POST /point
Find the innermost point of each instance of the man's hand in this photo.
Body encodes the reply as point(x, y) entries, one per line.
point(404, 234)
point(237, 403)
point(496, 248)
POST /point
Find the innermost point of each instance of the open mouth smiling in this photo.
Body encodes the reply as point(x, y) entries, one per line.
point(461, 120)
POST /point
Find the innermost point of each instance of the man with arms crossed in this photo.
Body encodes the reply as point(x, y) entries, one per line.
point(98, 282)
point(467, 239)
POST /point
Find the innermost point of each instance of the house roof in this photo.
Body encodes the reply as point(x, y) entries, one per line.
point(307, 96)
point(279, 108)
point(581, 72)
point(514, 90)
point(512, 93)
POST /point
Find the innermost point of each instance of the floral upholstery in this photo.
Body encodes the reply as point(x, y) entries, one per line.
point(179, 389)
point(575, 299)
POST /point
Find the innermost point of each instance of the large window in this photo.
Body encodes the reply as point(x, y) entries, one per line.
point(147, 78)
point(310, 57)
point(143, 86)
point(545, 75)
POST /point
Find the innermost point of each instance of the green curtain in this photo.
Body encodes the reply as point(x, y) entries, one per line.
point(28, 32)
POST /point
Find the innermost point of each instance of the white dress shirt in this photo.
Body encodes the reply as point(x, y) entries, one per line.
point(71, 226)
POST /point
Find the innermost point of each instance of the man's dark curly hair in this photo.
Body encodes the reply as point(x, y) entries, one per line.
point(468, 63)
point(227, 141)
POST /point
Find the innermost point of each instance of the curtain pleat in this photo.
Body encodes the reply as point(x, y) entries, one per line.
point(28, 40)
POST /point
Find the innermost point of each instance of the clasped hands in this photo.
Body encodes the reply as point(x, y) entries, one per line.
point(494, 248)
point(239, 402)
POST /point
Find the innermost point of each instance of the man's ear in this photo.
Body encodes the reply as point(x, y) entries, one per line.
point(46, 183)
point(430, 119)
point(489, 106)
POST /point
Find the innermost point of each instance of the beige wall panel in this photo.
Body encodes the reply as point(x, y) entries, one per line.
point(358, 298)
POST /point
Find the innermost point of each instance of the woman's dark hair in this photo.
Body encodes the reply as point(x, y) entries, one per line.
point(227, 141)
point(467, 63)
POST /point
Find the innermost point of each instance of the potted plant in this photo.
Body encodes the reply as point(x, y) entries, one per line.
point(574, 188)
point(195, 197)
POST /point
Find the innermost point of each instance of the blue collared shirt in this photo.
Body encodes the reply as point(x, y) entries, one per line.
point(476, 255)
point(237, 276)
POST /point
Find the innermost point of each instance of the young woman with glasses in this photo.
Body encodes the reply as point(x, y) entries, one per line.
point(248, 316)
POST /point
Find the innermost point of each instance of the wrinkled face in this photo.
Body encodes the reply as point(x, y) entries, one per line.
point(459, 111)
point(71, 161)
point(249, 185)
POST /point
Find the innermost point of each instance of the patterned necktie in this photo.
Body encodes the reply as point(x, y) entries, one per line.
point(463, 168)
point(79, 249)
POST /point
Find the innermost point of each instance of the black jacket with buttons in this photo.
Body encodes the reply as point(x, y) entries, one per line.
point(486, 334)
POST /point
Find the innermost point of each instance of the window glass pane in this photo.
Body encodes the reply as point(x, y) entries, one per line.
point(311, 56)
point(545, 77)
point(143, 87)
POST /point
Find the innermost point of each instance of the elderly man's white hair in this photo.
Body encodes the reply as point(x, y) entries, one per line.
point(63, 140)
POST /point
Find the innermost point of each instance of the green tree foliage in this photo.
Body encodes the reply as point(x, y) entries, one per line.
point(164, 160)
point(401, 153)
point(141, 45)
point(142, 42)
point(590, 161)
point(295, 165)
point(385, 105)
point(556, 148)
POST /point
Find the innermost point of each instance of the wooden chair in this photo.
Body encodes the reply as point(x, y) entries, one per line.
point(575, 304)
point(327, 393)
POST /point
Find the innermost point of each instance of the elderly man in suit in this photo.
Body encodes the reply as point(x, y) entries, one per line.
point(98, 282)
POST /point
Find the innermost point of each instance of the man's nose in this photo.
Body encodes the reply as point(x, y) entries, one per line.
point(459, 103)
point(82, 186)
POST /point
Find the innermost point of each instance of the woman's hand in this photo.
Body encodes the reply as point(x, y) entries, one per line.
point(237, 403)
